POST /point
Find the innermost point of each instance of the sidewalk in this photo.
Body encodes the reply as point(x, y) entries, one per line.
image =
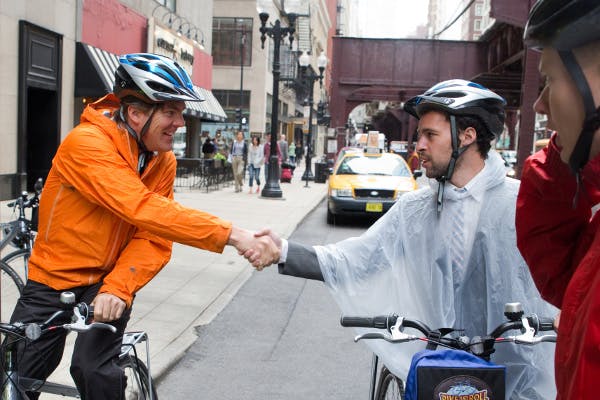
point(196, 285)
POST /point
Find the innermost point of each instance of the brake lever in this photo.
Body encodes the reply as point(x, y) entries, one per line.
point(397, 336)
point(521, 339)
point(372, 335)
point(528, 336)
point(79, 324)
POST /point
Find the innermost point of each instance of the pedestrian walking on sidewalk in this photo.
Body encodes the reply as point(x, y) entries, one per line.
point(239, 157)
point(455, 240)
point(107, 220)
point(299, 151)
point(292, 152)
point(256, 158)
point(283, 147)
point(267, 153)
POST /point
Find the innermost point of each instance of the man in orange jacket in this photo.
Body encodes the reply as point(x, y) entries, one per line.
point(557, 221)
point(108, 219)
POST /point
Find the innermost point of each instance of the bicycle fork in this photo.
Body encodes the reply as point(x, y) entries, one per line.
point(373, 385)
point(10, 387)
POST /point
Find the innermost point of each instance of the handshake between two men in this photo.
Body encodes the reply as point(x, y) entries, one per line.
point(261, 249)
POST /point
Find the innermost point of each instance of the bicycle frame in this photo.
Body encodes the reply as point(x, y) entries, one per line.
point(11, 391)
point(130, 340)
point(14, 386)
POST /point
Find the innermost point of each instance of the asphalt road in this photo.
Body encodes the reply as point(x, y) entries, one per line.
point(279, 338)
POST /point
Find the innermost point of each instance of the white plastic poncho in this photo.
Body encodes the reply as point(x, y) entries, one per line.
point(402, 265)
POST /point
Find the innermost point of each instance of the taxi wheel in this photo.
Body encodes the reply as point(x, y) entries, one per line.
point(330, 217)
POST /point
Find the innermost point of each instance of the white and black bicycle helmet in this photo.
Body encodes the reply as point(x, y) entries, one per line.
point(462, 97)
point(153, 79)
point(566, 25)
point(459, 97)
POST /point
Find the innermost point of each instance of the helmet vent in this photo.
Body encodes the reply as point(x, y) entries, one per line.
point(160, 88)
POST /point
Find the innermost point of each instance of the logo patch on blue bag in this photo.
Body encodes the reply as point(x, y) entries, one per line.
point(462, 387)
point(454, 375)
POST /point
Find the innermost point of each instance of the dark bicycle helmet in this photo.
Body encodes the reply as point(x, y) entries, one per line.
point(459, 97)
point(153, 79)
point(563, 24)
point(566, 25)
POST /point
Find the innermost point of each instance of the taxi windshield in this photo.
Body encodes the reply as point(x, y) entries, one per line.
point(364, 165)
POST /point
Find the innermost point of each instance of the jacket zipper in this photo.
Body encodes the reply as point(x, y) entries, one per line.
point(60, 190)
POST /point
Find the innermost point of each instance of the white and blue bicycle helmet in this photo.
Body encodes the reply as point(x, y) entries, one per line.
point(153, 79)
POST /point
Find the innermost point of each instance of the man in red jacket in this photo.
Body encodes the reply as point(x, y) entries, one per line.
point(557, 231)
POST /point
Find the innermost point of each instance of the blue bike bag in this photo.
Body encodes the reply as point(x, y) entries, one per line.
point(454, 375)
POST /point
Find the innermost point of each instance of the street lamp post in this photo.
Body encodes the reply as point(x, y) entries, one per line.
point(242, 43)
point(277, 32)
point(304, 61)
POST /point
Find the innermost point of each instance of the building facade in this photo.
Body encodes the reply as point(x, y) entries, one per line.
point(242, 71)
point(58, 55)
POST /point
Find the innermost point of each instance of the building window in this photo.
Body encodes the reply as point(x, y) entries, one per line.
point(478, 10)
point(230, 101)
point(269, 110)
point(477, 25)
point(170, 4)
point(228, 34)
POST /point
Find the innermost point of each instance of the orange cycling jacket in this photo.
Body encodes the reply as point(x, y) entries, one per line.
point(101, 221)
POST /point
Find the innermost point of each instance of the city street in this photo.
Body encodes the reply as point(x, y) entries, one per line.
point(279, 338)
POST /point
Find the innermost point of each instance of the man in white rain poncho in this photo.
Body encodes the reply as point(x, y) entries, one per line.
point(415, 262)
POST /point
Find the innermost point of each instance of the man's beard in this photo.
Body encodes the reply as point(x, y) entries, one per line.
point(435, 170)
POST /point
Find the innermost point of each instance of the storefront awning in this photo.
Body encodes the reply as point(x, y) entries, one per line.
point(208, 109)
point(94, 77)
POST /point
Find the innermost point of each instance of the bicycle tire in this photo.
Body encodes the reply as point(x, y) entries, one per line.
point(137, 379)
point(19, 262)
point(390, 386)
point(11, 287)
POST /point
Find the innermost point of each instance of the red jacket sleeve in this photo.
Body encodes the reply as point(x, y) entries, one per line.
point(550, 232)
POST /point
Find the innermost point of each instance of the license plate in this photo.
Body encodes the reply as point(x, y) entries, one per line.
point(374, 207)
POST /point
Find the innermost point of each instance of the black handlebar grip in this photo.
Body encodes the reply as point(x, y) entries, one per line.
point(87, 310)
point(546, 324)
point(379, 322)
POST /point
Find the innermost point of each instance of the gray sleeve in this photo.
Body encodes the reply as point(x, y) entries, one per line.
point(301, 262)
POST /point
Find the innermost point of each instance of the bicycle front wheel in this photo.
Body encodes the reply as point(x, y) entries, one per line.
point(19, 262)
point(11, 287)
point(138, 379)
point(390, 386)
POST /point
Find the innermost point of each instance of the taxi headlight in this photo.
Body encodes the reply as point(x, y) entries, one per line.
point(341, 192)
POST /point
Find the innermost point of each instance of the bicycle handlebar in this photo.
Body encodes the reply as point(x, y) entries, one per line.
point(528, 325)
point(24, 201)
point(80, 314)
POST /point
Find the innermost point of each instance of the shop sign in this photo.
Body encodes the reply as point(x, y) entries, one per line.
point(168, 43)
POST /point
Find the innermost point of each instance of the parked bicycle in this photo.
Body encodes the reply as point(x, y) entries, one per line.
point(390, 387)
point(140, 385)
point(16, 244)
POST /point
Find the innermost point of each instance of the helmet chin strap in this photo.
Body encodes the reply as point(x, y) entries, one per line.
point(581, 152)
point(456, 153)
point(144, 154)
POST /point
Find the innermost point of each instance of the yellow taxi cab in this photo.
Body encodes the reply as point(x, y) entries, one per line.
point(363, 183)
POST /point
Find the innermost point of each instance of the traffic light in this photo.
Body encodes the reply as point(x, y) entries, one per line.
point(238, 115)
point(320, 112)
